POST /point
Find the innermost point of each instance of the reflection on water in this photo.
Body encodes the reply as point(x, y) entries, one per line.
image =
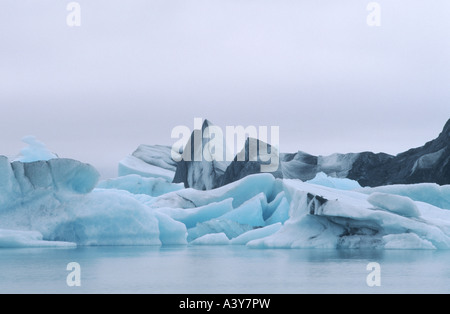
point(222, 269)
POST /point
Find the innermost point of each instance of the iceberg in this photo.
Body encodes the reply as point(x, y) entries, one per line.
point(322, 217)
point(58, 200)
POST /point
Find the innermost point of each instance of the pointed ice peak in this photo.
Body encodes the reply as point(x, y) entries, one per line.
point(35, 151)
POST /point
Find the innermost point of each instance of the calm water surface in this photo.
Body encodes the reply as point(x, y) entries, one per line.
point(222, 269)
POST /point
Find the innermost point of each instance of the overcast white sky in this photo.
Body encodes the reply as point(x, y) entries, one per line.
point(135, 69)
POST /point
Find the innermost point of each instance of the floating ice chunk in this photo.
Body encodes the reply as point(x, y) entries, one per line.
point(250, 213)
point(321, 217)
point(171, 232)
point(54, 198)
point(406, 241)
point(35, 151)
point(137, 184)
point(336, 183)
point(400, 205)
point(256, 234)
point(134, 165)
point(231, 228)
point(20, 239)
point(212, 239)
point(191, 216)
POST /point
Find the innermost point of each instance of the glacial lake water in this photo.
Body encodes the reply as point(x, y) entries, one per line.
point(222, 269)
